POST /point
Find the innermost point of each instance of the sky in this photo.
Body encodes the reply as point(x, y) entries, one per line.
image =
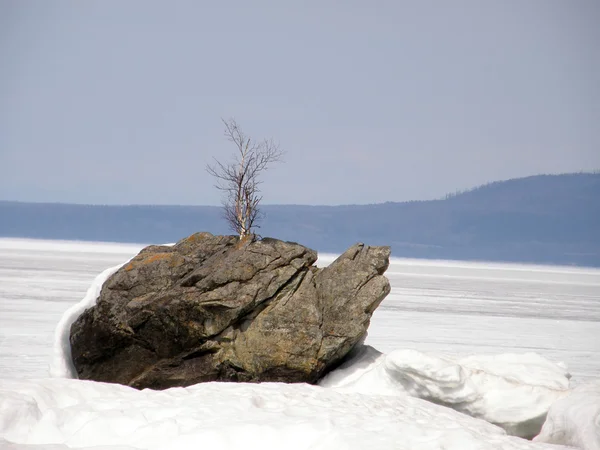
point(111, 102)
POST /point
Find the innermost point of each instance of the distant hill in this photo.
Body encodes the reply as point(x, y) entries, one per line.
point(544, 219)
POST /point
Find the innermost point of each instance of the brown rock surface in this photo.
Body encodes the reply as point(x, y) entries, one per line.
point(217, 308)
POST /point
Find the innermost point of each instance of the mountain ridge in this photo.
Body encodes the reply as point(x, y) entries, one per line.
point(541, 219)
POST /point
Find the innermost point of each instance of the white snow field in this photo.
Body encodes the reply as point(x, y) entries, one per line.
point(437, 316)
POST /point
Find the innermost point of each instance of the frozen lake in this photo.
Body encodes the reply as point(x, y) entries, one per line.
point(438, 306)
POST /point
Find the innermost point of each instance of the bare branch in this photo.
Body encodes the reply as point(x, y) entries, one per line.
point(240, 179)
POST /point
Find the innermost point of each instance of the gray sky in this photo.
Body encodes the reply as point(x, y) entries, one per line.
point(120, 102)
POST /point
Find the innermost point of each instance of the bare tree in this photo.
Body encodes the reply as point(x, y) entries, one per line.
point(240, 179)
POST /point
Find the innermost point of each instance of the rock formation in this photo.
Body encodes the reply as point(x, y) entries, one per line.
point(214, 308)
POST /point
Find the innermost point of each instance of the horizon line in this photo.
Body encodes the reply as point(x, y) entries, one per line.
point(446, 196)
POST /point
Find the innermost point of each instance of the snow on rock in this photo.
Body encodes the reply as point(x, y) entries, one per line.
point(575, 419)
point(513, 391)
point(62, 413)
point(62, 364)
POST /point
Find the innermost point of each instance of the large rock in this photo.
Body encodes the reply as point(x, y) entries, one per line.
point(217, 308)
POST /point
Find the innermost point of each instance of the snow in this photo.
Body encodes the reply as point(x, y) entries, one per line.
point(461, 308)
point(440, 312)
point(62, 365)
point(575, 419)
point(80, 414)
point(39, 246)
point(513, 391)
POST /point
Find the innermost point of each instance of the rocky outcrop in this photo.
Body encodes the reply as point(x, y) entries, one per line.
point(217, 308)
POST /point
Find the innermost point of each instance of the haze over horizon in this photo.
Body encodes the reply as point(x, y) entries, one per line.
point(121, 103)
point(447, 195)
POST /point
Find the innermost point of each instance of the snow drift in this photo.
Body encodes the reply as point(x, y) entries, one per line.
point(85, 414)
point(513, 391)
point(61, 365)
point(575, 419)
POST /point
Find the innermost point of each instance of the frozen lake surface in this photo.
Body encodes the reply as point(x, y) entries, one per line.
point(443, 307)
point(463, 308)
point(450, 307)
